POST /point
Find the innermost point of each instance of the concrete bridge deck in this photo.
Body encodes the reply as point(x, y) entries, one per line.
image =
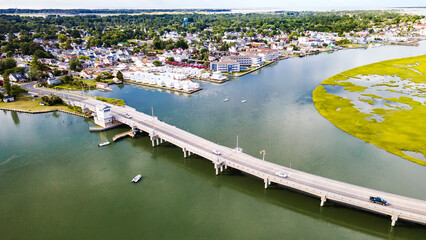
point(399, 207)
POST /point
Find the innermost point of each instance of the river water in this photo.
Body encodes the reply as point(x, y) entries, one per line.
point(55, 183)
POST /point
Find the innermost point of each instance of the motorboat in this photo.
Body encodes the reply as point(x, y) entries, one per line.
point(137, 178)
point(103, 144)
point(243, 101)
point(226, 99)
point(218, 76)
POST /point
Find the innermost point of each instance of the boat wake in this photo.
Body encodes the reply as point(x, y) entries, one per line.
point(9, 159)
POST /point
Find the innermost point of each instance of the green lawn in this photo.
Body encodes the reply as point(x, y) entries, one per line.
point(30, 104)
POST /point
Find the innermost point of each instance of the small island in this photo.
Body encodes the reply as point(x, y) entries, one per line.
point(382, 103)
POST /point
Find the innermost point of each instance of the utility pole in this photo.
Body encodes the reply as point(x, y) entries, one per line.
point(153, 122)
point(238, 149)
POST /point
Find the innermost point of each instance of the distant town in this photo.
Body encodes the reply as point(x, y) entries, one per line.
point(60, 52)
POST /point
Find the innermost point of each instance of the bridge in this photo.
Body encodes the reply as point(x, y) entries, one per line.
point(222, 157)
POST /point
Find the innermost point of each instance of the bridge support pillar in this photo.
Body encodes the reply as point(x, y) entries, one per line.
point(394, 219)
point(157, 141)
point(323, 200)
point(226, 166)
point(161, 140)
point(267, 182)
point(221, 168)
point(217, 169)
point(184, 152)
point(153, 143)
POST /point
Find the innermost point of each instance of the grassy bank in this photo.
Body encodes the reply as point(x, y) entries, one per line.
point(118, 102)
point(399, 129)
point(32, 105)
point(70, 87)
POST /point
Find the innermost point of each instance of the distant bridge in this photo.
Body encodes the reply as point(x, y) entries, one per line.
point(399, 207)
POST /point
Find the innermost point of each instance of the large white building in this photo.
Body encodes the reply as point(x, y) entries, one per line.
point(225, 65)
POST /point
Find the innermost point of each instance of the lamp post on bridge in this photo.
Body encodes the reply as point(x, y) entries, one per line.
point(264, 153)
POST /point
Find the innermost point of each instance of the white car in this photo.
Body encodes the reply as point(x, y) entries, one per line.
point(128, 116)
point(281, 174)
point(216, 152)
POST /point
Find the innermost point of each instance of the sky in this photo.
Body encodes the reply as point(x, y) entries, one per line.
point(215, 4)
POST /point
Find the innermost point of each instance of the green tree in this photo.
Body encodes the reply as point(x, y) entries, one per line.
point(75, 65)
point(6, 64)
point(67, 79)
point(119, 76)
point(181, 43)
point(6, 83)
point(51, 100)
point(171, 59)
point(62, 38)
point(156, 63)
point(16, 91)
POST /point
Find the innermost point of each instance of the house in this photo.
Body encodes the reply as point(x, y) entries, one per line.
point(104, 86)
point(8, 99)
point(86, 74)
point(17, 77)
point(53, 81)
point(63, 65)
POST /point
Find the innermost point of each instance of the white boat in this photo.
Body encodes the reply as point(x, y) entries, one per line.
point(243, 101)
point(226, 99)
point(137, 178)
point(218, 76)
point(103, 144)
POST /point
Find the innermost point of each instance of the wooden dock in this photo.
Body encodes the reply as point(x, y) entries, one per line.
point(122, 135)
point(99, 128)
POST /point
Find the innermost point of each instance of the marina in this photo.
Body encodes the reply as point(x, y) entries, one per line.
point(169, 81)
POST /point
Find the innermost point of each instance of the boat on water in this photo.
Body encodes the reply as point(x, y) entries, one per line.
point(243, 101)
point(226, 99)
point(218, 76)
point(103, 144)
point(137, 178)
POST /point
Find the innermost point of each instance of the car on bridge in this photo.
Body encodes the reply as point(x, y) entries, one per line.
point(216, 152)
point(378, 200)
point(128, 116)
point(281, 174)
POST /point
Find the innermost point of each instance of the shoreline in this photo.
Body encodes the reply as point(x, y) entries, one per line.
point(43, 111)
point(165, 88)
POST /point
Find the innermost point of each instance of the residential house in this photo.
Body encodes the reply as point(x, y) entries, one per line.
point(17, 77)
point(54, 81)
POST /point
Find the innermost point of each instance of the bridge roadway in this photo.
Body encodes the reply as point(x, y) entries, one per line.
point(399, 207)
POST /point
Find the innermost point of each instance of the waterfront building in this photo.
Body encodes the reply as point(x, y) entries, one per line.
point(225, 65)
point(103, 115)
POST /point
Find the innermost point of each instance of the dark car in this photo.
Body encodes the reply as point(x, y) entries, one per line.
point(378, 200)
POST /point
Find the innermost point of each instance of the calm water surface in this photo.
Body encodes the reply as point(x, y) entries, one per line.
point(55, 183)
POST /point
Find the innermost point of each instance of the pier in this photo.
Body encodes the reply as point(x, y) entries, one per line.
point(222, 157)
point(122, 135)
